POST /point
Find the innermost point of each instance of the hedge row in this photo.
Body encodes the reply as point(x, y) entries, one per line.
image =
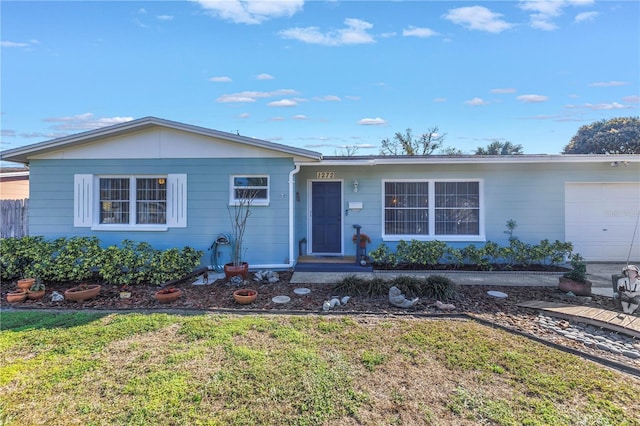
point(79, 259)
point(436, 254)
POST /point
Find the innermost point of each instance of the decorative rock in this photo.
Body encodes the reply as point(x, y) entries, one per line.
point(398, 299)
point(56, 297)
point(344, 300)
point(334, 302)
point(270, 277)
point(445, 306)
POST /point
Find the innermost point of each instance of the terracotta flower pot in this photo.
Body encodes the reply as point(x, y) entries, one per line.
point(244, 296)
point(26, 283)
point(168, 295)
point(578, 288)
point(16, 296)
point(82, 292)
point(231, 270)
point(35, 295)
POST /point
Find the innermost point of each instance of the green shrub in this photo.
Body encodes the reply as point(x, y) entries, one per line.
point(440, 288)
point(355, 286)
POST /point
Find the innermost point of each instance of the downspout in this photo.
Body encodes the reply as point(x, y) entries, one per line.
point(291, 227)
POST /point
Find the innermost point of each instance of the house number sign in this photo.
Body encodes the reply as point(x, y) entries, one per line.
point(325, 175)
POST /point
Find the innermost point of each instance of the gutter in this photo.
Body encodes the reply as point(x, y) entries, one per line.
point(291, 228)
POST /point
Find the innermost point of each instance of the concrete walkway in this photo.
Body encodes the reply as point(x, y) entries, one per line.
point(598, 273)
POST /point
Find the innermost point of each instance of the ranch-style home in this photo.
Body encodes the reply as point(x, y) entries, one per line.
point(172, 184)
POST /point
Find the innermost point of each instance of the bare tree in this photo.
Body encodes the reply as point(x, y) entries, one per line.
point(348, 150)
point(405, 144)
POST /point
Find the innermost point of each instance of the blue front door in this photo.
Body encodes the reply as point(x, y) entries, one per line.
point(326, 217)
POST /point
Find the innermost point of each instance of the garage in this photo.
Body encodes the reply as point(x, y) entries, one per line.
point(601, 220)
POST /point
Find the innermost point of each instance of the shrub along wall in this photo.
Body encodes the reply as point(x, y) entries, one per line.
point(79, 259)
point(438, 255)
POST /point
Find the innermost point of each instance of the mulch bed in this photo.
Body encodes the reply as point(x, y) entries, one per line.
point(218, 295)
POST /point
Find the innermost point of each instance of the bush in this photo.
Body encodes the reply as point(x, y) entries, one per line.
point(78, 259)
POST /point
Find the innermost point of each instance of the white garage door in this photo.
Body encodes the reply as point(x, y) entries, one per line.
point(600, 219)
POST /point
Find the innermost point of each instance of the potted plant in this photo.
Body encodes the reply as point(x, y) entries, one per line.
point(26, 283)
point(244, 296)
point(36, 291)
point(576, 281)
point(15, 296)
point(125, 292)
point(239, 215)
point(364, 239)
point(82, 292)
point(168, 295)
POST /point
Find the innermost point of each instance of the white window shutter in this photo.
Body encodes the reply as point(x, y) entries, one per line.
point(177, 200)
point(82, 200)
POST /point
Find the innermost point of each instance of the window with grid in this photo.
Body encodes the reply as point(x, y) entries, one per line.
point(254, 188)
point(432, 208)
point(457, 208)
point(406, 208)
point(119, 204)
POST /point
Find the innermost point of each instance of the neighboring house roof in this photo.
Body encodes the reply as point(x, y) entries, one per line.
point(22, 155)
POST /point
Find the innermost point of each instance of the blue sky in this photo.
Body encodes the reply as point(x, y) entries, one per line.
point(322, 75)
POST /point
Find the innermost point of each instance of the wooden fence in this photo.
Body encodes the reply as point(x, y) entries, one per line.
point(14, 218)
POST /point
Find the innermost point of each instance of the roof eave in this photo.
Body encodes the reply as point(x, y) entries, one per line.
point(22, 154)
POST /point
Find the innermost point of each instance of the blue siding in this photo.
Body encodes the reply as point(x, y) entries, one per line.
point(530, 194)
point(266, 239)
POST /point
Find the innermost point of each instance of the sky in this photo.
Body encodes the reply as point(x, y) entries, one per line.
point(328, 76)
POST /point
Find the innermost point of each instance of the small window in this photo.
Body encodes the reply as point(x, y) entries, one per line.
point(254, 188)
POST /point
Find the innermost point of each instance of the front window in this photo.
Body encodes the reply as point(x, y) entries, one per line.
point(457, 209)
point(133, 200)
point(406, 208)
point(414, 209)
point(253, 188)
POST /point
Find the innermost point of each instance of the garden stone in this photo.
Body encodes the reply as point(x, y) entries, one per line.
point(56, 297)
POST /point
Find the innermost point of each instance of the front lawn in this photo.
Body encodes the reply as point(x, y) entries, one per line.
point(160, 369)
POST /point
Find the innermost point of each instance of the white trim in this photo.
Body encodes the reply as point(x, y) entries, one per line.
point(83, 191)
point(481, 236)
point(233, 201)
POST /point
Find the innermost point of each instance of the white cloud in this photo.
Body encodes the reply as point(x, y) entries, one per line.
point(264, 76)
point(478, 18)
point(585, 17)
point(529, 99)
point(250, 11)
point(327, 98)
point(372, 121)
point(544, 11)
point(608, 84)
point(300, 117)
point(476, 102)
point(503, 91)
point(419, 32)
point(221, 79)
point(634, 99)
point(440, 100)
point(6, 43)
point(85, 121)
point(283, 103)
point(251, 96)
point(164, 18)
point(354, 33)
point(244, 115)
point(613, 105)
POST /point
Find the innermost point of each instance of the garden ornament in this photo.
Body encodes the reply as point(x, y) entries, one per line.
point(629, 289)
point(396, 298)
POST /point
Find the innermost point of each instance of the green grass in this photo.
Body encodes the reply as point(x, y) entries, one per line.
point(159, 369)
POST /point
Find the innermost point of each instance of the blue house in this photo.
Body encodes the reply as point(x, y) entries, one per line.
point(172, 184)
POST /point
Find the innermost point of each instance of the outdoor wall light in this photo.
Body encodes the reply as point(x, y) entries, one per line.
point(161, 181)
point(355, 185)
